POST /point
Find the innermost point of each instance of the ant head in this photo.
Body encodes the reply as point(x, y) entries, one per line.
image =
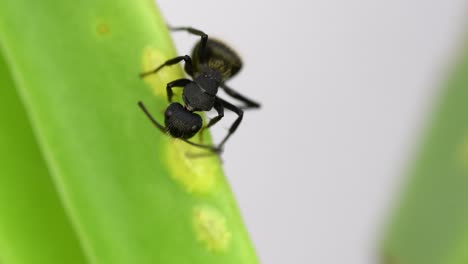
point(180, 122)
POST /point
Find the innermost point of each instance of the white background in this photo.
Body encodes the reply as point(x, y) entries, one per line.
point(346, 87)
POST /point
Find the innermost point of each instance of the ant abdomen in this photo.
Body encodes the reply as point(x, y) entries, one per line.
point(219, 56)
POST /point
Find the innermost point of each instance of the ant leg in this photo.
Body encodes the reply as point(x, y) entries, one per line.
point(188, 65)
point(248, 102)
point(218, 106)
point(234, 125)
point(164, 130)
point(220, 109)
point(208, 147)
point(176, 83)
point(194, 31)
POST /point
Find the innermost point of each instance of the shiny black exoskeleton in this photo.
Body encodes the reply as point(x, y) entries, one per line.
point(211, 64)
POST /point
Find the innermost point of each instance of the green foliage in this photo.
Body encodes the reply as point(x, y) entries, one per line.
point(431, 225)
point(84, 177)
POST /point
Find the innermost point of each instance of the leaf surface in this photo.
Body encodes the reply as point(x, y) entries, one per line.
point(130, 192)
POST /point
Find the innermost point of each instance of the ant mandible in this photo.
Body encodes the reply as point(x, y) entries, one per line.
point(213, 63)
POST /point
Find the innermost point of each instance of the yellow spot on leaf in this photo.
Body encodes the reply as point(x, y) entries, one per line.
point(102, 29)
point(196, 169)
point(388, 259)
point(210, 228)
point(158, 81)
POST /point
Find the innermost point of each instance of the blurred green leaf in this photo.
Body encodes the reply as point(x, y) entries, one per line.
point(431, 224)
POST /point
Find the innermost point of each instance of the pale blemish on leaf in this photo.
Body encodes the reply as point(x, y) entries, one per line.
point(196, 174)
point(102, 29)
point(388, 259)
point(152, 58)
point(211, 228)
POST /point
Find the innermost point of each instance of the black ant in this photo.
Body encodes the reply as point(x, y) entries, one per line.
point(211, 64)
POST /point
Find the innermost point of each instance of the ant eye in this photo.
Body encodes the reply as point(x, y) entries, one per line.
point(194, 128)
point(168, 113)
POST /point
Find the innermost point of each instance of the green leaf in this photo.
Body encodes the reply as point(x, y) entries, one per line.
point(33, 224)
point(129, 193)
point(431, 224)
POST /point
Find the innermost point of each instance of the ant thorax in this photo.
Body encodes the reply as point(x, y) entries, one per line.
point(196, 96)
point(208, 80)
